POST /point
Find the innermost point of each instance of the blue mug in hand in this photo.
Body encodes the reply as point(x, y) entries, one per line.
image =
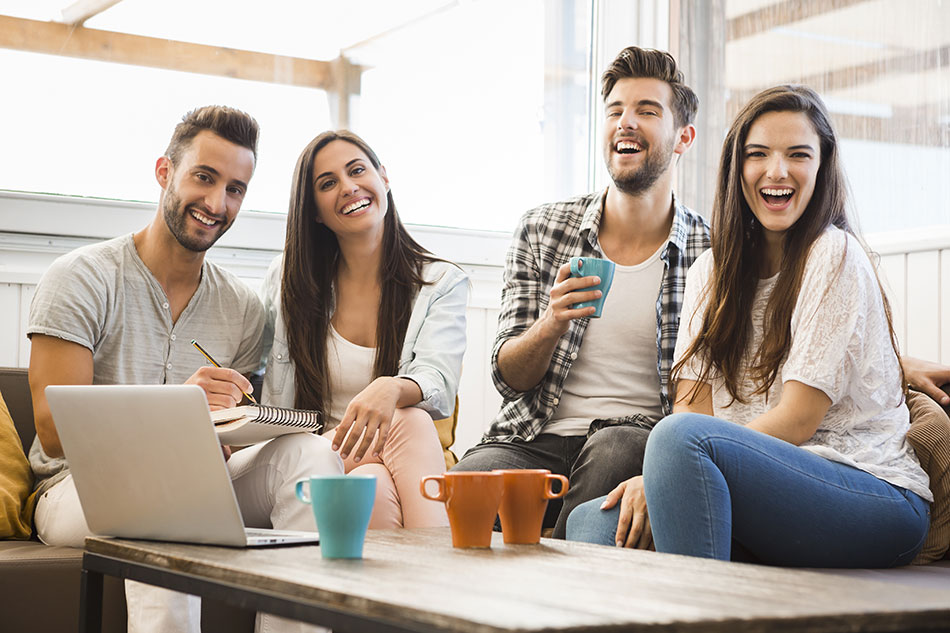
point(593, 267)
point(342, 505)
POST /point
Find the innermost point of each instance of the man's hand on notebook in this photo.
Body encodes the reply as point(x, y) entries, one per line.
point(224, 387)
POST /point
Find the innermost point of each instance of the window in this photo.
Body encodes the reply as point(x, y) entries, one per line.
point(479, 109)
point(882, 67)
point(91, 128)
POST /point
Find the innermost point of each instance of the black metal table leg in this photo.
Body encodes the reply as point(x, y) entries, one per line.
point(90, 602)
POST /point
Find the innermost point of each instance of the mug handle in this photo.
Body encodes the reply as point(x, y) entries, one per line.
point(440, 482)
point(549, 487)
point(303, 493)
point(576, 264)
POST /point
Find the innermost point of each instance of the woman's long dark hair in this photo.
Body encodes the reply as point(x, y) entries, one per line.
point(738, 246)
point(311, 262)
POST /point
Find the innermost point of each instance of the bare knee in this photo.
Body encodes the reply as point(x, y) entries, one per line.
point(413, 421)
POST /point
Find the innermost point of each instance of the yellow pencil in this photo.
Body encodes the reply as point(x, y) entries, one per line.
point(215, 363)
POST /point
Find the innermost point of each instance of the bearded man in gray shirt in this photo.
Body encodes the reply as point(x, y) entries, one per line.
point(124, 312)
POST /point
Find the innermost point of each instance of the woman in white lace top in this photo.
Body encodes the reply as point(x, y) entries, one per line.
point(787, 442)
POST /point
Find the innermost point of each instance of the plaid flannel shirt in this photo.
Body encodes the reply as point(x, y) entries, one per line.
point(546, 239)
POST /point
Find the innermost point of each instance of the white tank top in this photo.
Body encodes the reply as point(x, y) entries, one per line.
point(615, 373)
point(345, 384)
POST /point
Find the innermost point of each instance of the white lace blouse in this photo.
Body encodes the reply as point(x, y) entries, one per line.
point(840, 345)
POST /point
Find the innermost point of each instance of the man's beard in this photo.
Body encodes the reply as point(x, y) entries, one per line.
point(636, 181)
point(176, 218)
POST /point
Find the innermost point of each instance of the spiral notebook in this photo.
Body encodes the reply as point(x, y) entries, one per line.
point(253, 423)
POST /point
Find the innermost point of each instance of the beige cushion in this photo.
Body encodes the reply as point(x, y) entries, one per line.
point(929, 434)
point(16, 482)
point(446, 429)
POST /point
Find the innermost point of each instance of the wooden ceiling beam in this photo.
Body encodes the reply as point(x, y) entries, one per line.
point(53, 38)
point(909, 130)
point(781, 14)
point(860, 74)
point(924, 125)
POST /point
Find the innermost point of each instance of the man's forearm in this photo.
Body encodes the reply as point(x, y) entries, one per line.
point(523, 360)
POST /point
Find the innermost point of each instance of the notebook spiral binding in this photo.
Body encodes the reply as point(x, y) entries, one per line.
point(289, 417)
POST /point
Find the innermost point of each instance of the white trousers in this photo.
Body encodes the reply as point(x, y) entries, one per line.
point(263, 477)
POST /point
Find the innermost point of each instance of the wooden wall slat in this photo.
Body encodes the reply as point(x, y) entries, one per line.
point(893, 275)
point(9, 324)
point(922, 311)
point(23, 344)
point(944, 306)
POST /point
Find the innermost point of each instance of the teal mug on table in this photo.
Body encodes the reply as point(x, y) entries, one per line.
point(342, 506)
point(593, 267)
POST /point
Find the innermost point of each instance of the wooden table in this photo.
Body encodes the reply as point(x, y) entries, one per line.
point(413, 580)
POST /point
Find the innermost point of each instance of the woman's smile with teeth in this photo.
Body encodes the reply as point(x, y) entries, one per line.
point(360, 204)
point(776, 195)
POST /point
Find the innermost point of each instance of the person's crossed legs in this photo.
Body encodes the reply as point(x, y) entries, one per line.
point(610, 456)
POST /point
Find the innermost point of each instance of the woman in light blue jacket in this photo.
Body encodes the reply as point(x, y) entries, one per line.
point(369, 327)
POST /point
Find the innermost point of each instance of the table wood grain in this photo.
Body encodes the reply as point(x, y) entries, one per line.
point(416, 579)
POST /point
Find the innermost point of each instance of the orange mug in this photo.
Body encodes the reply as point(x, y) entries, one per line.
point(524, 501)
point(471, 501)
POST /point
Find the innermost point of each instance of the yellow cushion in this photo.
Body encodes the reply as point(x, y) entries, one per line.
point(929, 434)
point(446, 430)
point(16, 482)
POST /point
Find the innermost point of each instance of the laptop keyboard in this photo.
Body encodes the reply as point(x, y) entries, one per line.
point(268, 533)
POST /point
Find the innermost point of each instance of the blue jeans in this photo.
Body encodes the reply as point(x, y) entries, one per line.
point(712, 485)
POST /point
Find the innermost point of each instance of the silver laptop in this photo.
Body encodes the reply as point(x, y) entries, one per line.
point(148, 465)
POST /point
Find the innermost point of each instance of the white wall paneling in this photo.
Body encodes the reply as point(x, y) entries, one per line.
point(9, 324)
point(893, 270)
point(478, 399)
point(23, 343)
point(35, 229)
point(944, 290)
point(922, 310)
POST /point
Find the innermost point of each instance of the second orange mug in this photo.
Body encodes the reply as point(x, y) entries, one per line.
point(524, 502)
point(471, 501)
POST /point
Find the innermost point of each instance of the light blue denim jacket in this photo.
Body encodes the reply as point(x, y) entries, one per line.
point(431, 355)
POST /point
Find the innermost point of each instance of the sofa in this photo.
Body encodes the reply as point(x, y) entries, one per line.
point(39, 584)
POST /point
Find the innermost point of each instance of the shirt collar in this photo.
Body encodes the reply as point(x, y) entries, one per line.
point(590, 224)
point(679, 231)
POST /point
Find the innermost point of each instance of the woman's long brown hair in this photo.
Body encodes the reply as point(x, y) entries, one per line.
point(738, 247)
point(311, 261)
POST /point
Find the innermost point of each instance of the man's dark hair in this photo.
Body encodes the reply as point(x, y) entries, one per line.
point(229, 123)
point(634, 63)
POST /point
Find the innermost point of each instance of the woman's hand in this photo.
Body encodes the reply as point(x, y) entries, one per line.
point(633, 526)
point(370, 413)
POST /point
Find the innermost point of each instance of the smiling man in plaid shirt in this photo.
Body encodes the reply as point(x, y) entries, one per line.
point(581, 394)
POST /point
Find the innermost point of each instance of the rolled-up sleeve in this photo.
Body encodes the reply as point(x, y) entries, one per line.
point(435, 361)
point(520, 306)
